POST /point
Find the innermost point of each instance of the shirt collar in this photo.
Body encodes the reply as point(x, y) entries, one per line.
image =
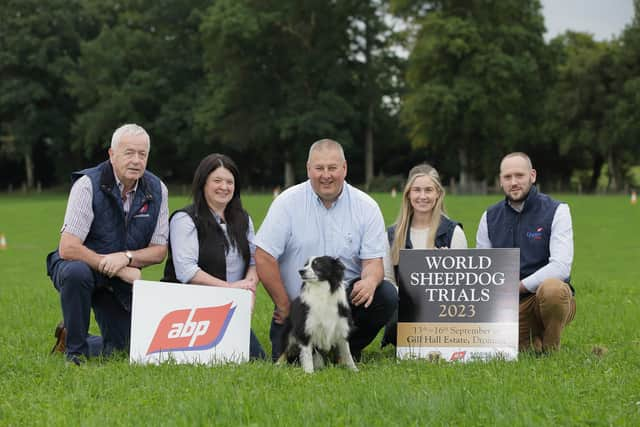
point(217, 217)
point(121, 185)
point(532, 193)
point(318, 200)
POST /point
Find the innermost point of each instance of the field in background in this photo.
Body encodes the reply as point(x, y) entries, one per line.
point(572, 387)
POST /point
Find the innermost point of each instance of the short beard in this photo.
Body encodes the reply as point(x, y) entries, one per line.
point(518, 200)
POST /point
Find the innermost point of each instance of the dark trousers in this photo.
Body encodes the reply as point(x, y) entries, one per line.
point(255, 349)
point(390, 331)
point(367, 321)
point(82, 289)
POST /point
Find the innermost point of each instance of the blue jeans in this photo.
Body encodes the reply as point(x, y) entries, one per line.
point(367, 321)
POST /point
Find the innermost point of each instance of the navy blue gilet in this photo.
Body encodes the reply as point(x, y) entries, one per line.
point(110, 231)
point(443, 238)
point(529, 230)
point(443, 235)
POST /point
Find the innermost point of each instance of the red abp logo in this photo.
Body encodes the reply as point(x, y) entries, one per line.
point(192, 329)
point(457, 355)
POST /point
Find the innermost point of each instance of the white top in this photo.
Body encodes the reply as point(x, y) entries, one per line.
point(418, 238)
point(560, 248)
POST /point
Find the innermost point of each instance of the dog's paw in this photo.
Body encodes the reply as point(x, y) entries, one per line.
point(282, 360)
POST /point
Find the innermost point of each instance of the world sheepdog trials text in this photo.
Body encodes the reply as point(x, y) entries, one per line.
point(453, 274)
point(461, 304)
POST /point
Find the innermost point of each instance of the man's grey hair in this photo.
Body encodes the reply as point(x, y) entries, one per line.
point(326, 144)
point(129, 129)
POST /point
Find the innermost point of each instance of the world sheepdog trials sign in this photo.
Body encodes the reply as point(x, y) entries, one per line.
point(458, 304)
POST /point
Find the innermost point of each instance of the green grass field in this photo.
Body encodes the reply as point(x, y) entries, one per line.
point(571, 387)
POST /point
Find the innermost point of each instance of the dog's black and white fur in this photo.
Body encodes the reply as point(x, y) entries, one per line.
point(320, 318)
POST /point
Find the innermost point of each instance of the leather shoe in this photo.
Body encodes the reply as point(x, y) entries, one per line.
point(61, 339)
point(75, 359)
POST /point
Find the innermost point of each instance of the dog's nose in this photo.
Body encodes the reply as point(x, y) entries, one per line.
point(301, 272)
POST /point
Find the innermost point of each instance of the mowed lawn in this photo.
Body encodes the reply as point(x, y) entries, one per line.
point(593, 380)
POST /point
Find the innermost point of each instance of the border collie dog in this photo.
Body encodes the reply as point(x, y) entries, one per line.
point(320, 318)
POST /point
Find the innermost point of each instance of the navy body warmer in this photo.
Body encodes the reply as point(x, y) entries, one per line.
point(529, 230)
point(110, 230)
point(443, 236)
point(211, 249)
point(442, 239)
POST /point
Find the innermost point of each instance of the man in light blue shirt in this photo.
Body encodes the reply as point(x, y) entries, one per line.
point(326, 216)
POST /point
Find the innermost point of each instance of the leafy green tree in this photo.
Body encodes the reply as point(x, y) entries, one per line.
point(474, 72)
point(624, 117)
point(580, 102)
point(376, 48)
point(144, 66)
point(38, 44)
point(277, 76)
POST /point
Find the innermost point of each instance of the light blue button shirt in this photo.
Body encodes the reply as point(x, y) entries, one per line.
point(185, 249)
point(299, 226)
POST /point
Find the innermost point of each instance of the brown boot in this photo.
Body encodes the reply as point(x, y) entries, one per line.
point(61, 339)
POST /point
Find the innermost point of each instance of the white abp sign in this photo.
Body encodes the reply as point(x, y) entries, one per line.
point(189, 323)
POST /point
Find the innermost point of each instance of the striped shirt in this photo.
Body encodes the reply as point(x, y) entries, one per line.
point(79, 215)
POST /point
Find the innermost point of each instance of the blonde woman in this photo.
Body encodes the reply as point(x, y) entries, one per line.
point(422, 224)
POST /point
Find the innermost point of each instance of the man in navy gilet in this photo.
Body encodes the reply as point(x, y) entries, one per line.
point(115, 224)
point(541, 227)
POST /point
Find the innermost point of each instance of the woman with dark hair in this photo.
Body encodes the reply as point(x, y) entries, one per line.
point(210, 241)
point(422, 224)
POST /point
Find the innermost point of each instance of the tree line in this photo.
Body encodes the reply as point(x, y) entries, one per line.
point(457, 83)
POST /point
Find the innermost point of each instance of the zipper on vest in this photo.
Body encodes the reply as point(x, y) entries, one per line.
point(516, 230)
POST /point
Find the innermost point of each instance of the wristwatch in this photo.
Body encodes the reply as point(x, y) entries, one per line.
point(130, 256)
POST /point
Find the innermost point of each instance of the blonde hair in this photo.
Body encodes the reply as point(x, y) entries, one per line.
point(403, 223)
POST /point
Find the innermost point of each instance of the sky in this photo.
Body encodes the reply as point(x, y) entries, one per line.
point(602, 18)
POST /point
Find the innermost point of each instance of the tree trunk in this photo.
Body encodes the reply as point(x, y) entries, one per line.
point(28, 169)
point(464, 170)
point(369, 94)
point(614, 173)
point(368, 149)
point(289, 175)
point(598, 161)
